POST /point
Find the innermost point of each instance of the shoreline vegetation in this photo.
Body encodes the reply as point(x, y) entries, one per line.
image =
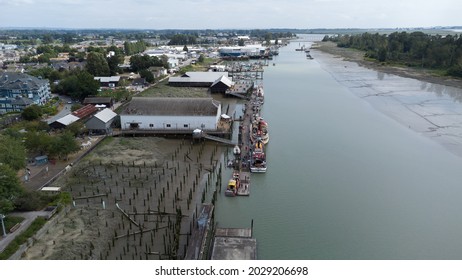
point(358, 56)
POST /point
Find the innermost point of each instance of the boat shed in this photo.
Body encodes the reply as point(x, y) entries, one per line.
point(101, 122)
point(171, 114)
point(221, 85)
point(64, 121)
point(196, 79)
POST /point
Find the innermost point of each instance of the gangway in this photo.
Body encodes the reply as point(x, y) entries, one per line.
point(218, 139)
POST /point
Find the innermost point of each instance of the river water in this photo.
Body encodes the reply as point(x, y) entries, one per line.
point(352, 176)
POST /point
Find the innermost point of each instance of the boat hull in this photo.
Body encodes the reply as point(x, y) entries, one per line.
point(258, 169)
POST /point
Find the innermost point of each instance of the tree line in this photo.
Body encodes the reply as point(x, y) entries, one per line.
point(416, 49)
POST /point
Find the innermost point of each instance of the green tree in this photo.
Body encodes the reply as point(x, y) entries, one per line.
point(12, 152)
point(38, 142)
point(32, 112)
point(79, 85)
point(63, 145)
point(97, 64)
point(10, 188)
point(147, 75)
point(185, 48)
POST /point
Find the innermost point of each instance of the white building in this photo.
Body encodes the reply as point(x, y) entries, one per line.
point(146, 113)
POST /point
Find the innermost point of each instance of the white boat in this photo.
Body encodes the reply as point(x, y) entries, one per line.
point(236, 150)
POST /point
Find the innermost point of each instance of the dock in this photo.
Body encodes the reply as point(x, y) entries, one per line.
point(201, 234)
point(234, 244)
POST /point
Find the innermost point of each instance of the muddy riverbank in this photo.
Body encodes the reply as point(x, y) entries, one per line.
point(135, 198)
point(357, 56)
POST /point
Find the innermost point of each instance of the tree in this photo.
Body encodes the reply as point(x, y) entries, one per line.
point(185, 48)
point(79, 85)
point(147, 75)
point(12, 152)
point(97, 64)
point(32, 112)
point(10, 188)
point(63, 145)
point(38, 142)
point(241, 42)
point(201, 58)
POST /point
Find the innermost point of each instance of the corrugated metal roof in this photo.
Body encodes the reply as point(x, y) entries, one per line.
point(85, 111)
point(97, 100)
point(106, 115)
point(68, 119)
point(172, 106)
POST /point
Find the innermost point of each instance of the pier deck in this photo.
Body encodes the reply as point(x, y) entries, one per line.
point(244, 190)
point(234, 244)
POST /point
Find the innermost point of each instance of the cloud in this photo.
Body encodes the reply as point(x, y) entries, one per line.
point(199, 14)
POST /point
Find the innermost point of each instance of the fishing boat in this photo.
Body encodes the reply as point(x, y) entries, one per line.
point(233, 185)
point(258, 160)
point(231, 189)
point(260, 130)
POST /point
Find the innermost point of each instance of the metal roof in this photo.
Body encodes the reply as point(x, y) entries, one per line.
point(85, 111)
point(172, 106)
point(225, 80)
point(105, 115)
point(198, 77)
point(68, 119)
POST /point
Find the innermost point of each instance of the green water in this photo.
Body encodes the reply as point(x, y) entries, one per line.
point(345, 181)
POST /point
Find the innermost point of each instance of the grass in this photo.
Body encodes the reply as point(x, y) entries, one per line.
point(11, 221)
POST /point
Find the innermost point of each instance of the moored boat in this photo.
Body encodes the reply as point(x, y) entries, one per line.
point(260, 131)
point(233, 185)
point(236, 150)
point(258, 160)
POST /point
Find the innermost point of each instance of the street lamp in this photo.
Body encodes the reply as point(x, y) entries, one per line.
point(3, 225)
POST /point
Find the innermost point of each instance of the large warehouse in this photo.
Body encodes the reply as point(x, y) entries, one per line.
point(186, 114)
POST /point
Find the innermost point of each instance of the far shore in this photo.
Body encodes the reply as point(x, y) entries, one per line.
point(407, 72)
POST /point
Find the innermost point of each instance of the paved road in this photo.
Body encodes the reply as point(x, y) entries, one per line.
point(29, 217)
point(66, 110)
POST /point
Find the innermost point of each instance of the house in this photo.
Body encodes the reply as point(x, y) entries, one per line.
point(179, 114)
point(101, 122)
point(111, 82)
point(157, 71)
point(18, 90)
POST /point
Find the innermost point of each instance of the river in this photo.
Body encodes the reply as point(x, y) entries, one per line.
point(349, 177)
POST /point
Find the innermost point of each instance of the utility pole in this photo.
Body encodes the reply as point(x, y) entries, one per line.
point(3, 225)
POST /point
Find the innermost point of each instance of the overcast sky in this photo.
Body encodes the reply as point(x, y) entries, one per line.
point(219, 14)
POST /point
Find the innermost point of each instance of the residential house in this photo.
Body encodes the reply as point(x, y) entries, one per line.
point(111, 82)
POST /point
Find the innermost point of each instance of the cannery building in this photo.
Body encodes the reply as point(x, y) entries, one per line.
point(174, 114)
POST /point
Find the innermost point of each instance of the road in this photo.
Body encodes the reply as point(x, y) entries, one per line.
point(67, 101)
point(29, 217)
